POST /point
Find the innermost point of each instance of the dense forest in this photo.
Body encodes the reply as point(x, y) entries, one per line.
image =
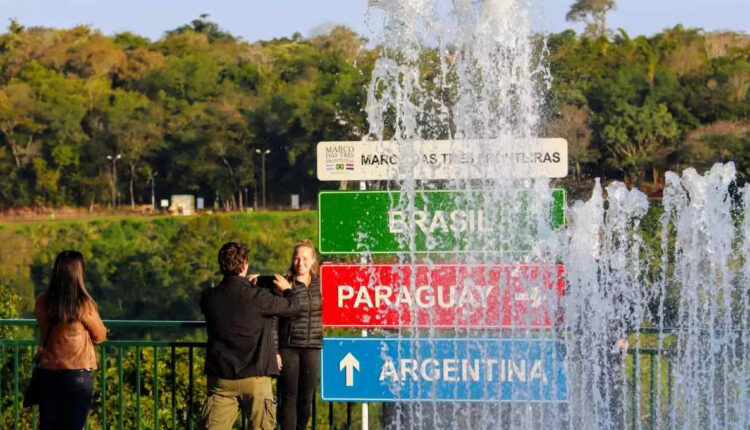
point(85, 117)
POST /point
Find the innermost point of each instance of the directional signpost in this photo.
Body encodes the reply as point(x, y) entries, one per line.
point(442, 221)
point(441, 295)
point(477, 370)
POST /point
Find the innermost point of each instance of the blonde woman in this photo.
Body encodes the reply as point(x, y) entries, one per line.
point(300, 341)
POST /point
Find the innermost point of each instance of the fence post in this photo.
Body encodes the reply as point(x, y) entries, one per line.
point(190, 389)
point(652, 410)
point(104, 387)
point(138, 387)
point(120, 389)
point(635, 391)
point(173, 368)
point(15, 387)
point(156, 387)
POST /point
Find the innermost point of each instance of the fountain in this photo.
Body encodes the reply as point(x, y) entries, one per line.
point(643, 336)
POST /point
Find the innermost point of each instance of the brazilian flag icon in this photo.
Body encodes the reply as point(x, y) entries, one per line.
point(340, 166)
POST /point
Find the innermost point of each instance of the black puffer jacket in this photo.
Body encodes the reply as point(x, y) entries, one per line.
point(306, 329)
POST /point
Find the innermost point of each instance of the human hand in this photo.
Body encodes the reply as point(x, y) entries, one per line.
point(278, 360)
point(281, 283)
point(253, 278)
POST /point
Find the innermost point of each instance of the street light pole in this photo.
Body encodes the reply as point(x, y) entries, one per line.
point(114, 159)
point(153, 189)
point(263, 171)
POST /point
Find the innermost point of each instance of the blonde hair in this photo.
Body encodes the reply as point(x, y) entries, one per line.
point(307, 243)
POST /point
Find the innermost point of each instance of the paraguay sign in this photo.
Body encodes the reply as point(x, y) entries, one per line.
point(434, 221)
point(477, 370)
point(441, 295)
point(442, 159)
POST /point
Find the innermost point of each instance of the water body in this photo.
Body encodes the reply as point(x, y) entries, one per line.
point(467, 69)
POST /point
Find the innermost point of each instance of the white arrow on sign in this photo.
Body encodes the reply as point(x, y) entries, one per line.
point(533, 295)
point(350, 363)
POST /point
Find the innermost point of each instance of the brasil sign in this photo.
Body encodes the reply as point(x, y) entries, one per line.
point(433, 222)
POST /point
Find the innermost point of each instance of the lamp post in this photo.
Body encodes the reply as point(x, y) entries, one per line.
point(153, 189)
point(263, 154)
point(114, 159)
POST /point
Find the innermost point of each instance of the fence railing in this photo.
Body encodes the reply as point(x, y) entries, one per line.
point(140, 384)
point(159, 384)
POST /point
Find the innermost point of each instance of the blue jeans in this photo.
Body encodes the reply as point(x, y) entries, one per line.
point(66, 400)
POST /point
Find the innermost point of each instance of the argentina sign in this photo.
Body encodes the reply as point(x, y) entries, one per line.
point(442, 159)
point(380, 222)
point(475, 370)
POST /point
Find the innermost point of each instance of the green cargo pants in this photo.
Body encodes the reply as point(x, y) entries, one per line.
point(225, 396)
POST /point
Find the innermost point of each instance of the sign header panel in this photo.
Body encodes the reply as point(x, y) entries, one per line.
point(442, 159)
point(438, 221)
point(476, 370)
point(441, 295)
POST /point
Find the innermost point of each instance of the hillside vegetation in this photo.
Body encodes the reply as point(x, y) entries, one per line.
point(146, 268)
point(190, 109)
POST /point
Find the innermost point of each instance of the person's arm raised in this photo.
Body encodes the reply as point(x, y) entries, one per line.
point(273, 305)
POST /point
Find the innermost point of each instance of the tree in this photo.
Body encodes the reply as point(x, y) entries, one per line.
point(718, 143)
point(134, 126)
point(573, 124)
point(593, 13)
point(638, 137)
point(18, 122)
point(204, 26)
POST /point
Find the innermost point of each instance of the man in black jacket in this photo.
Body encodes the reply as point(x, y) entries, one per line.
point(241, 356)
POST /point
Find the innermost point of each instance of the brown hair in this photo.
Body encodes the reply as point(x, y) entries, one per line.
point(291, 273)
point(66, 296)
point(232, 257)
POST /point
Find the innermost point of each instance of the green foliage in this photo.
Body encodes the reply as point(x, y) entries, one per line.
point(635, 136)
point(634, 107)
point(148, 268)
point(8, 309)
point(196, 104)
point(193, 106)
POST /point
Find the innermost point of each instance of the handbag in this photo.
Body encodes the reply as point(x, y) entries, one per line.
point(33, 394)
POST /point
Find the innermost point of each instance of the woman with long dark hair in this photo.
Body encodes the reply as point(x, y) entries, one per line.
point(69, 325)
point(300, 341)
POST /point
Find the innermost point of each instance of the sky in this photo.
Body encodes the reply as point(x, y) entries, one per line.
point(267, 19)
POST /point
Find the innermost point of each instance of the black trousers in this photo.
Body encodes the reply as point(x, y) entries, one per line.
point(300, 368)
point(66, 400)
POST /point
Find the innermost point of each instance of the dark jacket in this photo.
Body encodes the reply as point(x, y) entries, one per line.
point(239, 322)
point(306, 329)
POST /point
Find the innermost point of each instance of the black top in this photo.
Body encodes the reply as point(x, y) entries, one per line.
point(239, 322)
point(304, 330)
